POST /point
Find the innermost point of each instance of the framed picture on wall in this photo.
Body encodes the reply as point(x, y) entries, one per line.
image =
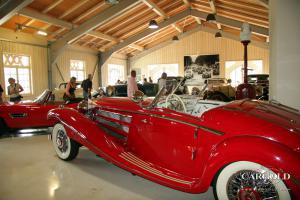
point(199, 68)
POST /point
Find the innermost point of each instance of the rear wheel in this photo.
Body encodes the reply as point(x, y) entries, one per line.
point(245, 180)
point(65, 147)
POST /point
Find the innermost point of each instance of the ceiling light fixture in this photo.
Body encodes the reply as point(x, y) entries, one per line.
point(19, 27)
point(113, 2)
point(175, 38)
point(210, 18)
point(43, 33)
point(153, 24)
point(218, 34)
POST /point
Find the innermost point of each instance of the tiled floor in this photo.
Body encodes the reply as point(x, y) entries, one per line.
point(29, 169)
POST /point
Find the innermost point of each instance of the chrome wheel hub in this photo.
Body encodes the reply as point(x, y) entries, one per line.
point(61, 141)
point(249, 185)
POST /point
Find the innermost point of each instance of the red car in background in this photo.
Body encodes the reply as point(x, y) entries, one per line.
point(29, 114)
point(245, 149)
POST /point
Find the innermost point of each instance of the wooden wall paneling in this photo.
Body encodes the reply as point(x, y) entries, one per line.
point(201, 43)
point(38, 56)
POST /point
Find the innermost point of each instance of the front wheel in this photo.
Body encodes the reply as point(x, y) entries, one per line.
point(65, 147)
point(245, 180)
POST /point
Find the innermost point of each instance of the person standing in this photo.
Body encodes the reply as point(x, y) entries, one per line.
point(14, 90)
point(87, 86)
point(150, 79)
point(70, 90)
point(131, 84)
point(162, 82)
point(1, 91)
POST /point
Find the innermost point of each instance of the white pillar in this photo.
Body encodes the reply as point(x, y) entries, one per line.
point(284, 18)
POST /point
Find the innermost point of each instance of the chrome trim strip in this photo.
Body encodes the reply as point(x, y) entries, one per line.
point(116, 116)
point(175, 120)
point(113, 124)
point(140, 163)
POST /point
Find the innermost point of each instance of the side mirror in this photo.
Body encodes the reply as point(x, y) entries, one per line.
point(138, 96)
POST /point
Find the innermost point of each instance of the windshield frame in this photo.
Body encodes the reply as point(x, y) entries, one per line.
point(42, 98)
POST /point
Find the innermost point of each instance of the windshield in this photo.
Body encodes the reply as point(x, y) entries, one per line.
point(42, 97)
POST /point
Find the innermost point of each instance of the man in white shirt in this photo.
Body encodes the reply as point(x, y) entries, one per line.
point(162, 82)
point(131, 84)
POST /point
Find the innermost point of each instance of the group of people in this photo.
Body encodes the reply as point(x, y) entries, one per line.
point(86, 85)
point(13, 90)
point(132, 84)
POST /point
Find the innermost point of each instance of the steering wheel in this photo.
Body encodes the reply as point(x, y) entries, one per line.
point(178, 105)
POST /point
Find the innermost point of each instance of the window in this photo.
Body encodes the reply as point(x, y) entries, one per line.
point(17, 67)
point(234, 70)
point(155, 71)
point(77, 69)
point(115, 73)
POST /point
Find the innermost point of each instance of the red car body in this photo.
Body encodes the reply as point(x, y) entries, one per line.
point(187, 152)
point(29, 114)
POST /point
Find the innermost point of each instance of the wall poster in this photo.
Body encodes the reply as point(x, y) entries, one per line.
point(199, 68)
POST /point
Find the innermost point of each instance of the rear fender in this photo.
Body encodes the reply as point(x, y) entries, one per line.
point(266, 152)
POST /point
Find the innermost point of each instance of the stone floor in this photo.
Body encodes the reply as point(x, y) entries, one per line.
point(29, 169)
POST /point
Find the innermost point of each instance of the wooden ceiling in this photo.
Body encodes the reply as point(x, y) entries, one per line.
point(60, 17)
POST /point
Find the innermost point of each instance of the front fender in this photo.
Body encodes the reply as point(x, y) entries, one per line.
point(86, 131)
point(266, 152)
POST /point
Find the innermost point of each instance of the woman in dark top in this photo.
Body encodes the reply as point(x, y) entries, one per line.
point(70, 90)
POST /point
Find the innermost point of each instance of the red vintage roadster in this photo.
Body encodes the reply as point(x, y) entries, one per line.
point(245, 149)
point(29, 114)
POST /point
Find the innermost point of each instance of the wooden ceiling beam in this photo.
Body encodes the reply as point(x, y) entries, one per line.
point(103, 36)
point(197, 20)
point(145, 33)
point(162, 13)
point(177, 27)
point(64, 24)
point(47, 9)
point(137, 47)
point(155, 8)
point(52, 5)
point(187, 3)
point(10, 7)
point(91, 24)
point(31, 13)
point(89, 41)
point(264, 3)
point(88, 12)
point(231, 22)
point(73, 8)
point(243, 5)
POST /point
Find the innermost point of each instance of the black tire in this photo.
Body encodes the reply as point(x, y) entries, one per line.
point(65, 148)
point(230, 183)
point(3, 127)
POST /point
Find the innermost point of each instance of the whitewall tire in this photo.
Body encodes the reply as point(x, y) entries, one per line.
point(243, 180)
point(65, 147)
